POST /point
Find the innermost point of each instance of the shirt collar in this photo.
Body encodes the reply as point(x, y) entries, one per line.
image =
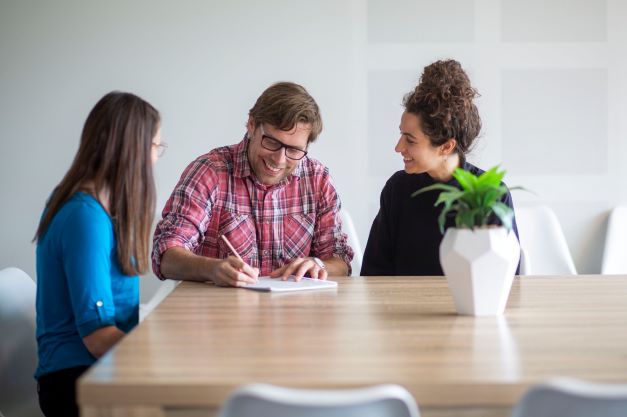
point(241, 167)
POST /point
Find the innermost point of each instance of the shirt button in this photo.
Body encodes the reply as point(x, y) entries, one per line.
point(265, 253)
point(99, 303)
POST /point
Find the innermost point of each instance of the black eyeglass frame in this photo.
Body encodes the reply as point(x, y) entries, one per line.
point(277, 144)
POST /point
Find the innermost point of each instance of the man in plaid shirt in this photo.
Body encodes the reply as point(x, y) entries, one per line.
point(276, 206)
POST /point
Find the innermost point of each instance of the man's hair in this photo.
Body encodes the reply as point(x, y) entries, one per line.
point(444, 102)
point(284, 105)
point(115, 152)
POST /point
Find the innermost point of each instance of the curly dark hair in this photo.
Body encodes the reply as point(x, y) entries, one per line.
point(444, 102)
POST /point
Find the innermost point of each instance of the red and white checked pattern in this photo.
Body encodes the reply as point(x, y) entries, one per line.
point(269, 226)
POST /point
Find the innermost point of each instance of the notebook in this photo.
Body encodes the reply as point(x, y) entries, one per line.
point(277, 285)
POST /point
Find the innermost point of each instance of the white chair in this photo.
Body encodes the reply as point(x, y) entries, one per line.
point(353, 240)
point(542, 241)
point(162, 292)
point(615, 252)
point(573, 398)
point(261, 400)
point(18, 347)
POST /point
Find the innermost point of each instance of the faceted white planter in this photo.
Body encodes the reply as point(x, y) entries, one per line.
point(479, 266)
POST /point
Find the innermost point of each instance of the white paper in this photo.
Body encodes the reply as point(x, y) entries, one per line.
point(278, 285)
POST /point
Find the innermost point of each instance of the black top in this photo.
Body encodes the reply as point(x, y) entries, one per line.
point(405, 236)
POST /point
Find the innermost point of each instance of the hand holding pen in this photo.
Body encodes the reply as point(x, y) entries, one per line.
point(233, 271)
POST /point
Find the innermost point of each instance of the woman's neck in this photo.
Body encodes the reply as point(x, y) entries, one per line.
point(102, 196)
point(444, 172)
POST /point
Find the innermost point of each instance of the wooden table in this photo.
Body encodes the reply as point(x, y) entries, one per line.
point(203, 341)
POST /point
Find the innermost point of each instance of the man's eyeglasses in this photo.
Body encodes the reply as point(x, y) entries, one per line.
point(160, 147)
point(273, 144)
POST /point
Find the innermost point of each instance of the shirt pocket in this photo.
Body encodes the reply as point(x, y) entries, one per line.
point(240, 230)
point(298, 231)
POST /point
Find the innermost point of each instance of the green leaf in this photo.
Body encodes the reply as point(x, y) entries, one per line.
point(449, 197)
point(443, 187)
point(477, 202)
point(442, 218)
point(490, 197)
point(504, 213)
point(466, 179)
point(521, 188)
point(491, 177)
point(465, 220)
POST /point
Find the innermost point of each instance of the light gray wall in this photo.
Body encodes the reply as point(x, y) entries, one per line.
point(553, 79)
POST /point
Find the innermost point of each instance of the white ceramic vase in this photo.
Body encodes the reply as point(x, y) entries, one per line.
point(479, 266)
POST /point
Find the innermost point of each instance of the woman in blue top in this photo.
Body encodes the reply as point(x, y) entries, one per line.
point(92, 242)
point(437, 130)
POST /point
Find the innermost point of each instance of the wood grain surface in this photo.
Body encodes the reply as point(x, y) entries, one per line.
point(204, 341)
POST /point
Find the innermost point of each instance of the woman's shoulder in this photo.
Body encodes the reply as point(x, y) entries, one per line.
point(401, 181)
point(473, 169)
point(86, 204)
point(83, 212)
point(81, 217)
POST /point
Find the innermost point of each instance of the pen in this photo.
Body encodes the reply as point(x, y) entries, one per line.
point(231, 248)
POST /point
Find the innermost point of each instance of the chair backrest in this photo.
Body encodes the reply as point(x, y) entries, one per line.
point(18, 347)
point(573, 398)
point(261, 400)
point(542, 241)
point(615, 252)
point(348, 226)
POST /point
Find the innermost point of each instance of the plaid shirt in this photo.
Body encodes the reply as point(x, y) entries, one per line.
point(269, 226)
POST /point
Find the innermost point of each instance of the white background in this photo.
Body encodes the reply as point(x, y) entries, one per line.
point(553, 79)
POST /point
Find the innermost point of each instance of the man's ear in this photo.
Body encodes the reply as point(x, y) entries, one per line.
point(250, 126)
point(448, 147)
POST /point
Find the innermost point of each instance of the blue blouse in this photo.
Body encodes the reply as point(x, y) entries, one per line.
point(80, 286)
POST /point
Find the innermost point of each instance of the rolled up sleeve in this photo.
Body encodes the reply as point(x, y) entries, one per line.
point(186, 213)
point(88, 250)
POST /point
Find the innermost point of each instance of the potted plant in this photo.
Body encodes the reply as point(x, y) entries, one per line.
point(478, 256)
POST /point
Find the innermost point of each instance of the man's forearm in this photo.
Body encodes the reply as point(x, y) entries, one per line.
point(335, 267)
point(181, 264)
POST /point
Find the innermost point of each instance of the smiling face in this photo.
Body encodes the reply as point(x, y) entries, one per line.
point(419, 155)
point(271, 167)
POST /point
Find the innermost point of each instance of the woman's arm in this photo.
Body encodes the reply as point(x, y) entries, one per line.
point(379, 253)
point(102, 339)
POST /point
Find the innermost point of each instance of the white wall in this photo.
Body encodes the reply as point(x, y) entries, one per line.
point(553, 79)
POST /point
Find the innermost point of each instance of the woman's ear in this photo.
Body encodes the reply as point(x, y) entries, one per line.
point(448, 147)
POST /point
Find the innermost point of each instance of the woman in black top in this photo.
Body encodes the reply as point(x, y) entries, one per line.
point(438, 127)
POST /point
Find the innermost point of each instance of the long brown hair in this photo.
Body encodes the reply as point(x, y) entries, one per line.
point(115, 153)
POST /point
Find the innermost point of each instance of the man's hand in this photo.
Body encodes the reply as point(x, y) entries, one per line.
point(298, 268)
point(233, 272)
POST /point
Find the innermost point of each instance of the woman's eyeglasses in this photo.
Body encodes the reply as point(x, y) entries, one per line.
point(160, 147)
